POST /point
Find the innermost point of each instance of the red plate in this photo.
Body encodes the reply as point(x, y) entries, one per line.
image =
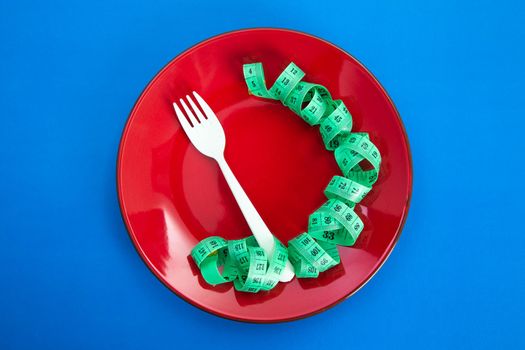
point(171, 196)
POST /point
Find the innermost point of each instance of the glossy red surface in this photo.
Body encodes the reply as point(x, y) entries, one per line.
point(171, 196)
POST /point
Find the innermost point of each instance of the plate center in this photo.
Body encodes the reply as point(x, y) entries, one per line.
point(280, 162)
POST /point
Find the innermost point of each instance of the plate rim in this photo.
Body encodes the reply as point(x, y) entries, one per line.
point(129, 229)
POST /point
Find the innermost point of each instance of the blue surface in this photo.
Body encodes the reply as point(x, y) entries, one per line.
point(70, 73)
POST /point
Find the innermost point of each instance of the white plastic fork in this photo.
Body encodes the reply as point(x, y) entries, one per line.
point(207, 135)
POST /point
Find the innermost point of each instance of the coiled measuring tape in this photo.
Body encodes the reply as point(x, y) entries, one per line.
point(243, 262)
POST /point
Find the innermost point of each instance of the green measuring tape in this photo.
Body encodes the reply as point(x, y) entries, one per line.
point(335, 223)
point(242, 262)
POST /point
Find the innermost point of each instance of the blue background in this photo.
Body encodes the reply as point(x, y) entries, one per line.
point(70, 72)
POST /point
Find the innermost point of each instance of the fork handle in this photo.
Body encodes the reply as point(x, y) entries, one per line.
point(259, 229)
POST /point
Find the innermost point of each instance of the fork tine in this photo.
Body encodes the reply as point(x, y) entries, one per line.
point(189, 113)
point(195, 109)
point(182, 118)
point(207, 110)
